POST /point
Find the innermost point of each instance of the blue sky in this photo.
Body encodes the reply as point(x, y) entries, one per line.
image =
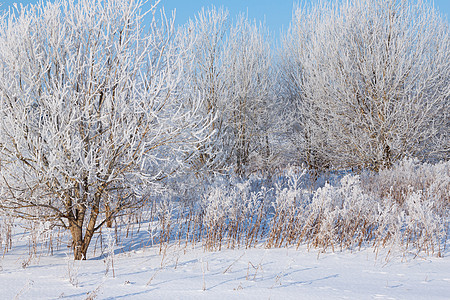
point(276, 13)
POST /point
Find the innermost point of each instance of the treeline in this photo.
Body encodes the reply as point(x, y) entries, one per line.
point(101, 103)
point(358, 85)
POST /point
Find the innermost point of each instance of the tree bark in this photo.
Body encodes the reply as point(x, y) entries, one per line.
point(77, 238)
point(108, 216)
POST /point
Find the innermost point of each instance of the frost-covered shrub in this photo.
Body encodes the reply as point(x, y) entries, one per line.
point(426, 225)
point(339, 215)
point(351, 212)
point(414, 209)
point(405, 207)
point(216, 207)
point(289, 202)
point(408, 176)
point(235, 212)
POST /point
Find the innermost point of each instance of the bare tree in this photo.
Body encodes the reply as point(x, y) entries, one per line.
point(90, 115)
point(372, 82)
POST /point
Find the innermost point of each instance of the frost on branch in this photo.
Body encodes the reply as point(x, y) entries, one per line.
point(90, 114)
point(231, 69)
point(366, 82)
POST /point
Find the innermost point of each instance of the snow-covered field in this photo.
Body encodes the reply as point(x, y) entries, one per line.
point(185, 272)
point(384, 248)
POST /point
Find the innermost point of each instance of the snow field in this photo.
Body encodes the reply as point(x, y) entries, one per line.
point(257, 273)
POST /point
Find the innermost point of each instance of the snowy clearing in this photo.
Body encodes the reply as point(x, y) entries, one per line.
point(258, 273)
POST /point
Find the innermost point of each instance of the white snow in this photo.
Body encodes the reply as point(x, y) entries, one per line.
point(188, 272)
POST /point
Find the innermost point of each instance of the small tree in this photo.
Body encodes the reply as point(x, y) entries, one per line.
point(90, 116)
point(372, 80)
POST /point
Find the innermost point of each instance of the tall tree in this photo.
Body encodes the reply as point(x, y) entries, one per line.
point(90, 113)
point(204, 76)
point(231, 69)
point(248, 64)
point(371, 79)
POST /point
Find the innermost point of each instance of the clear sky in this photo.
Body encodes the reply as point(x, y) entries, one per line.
point(276, 13)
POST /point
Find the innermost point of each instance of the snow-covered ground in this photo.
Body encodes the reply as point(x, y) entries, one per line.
point(129, 261)
point(185, 272)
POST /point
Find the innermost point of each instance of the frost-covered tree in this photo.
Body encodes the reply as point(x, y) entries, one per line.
point(204, 76)
point(231, 68)
point(248, 84)
point(90, 114)
point(371, 82)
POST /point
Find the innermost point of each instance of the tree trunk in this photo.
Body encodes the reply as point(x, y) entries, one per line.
point(78, 244)
point(108, 216)
point(90, 228)
point(81, 243)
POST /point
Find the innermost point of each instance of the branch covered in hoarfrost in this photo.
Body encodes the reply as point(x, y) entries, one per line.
point(90, 113)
